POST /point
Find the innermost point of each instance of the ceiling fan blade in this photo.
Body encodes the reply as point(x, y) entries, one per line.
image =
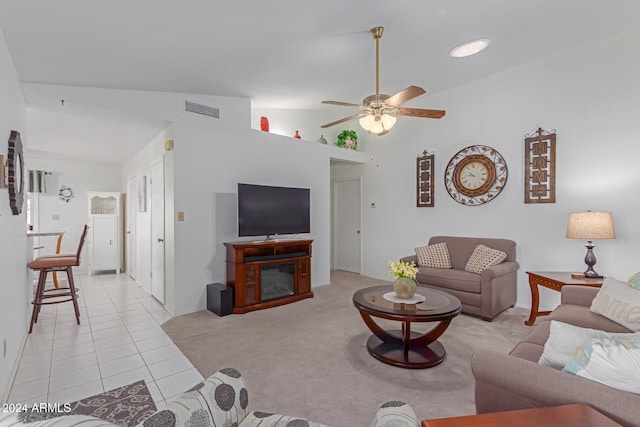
point(419, 112)
point(344, 104)
point(337, 122)
point(404, 95)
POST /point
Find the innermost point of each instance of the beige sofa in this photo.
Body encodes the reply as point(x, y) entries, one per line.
point(517, 381)
point(485, 295)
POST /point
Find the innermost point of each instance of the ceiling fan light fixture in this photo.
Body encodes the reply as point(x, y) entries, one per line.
point(469, 48)
point(388, 121)
point(367, 121)
point(377, 126)
point(378, 111)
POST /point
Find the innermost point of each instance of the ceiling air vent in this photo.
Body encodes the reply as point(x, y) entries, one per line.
point(203, 110)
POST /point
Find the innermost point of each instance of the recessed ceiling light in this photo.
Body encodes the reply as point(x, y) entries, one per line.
point(469, 48)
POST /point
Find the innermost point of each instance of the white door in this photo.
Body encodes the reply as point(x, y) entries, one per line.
point(130, 236)
point(104, 254)
point(347, 223)
point(157, 230)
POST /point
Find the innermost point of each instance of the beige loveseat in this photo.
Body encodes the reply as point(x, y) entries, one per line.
point(518, 381)
point(485, 295)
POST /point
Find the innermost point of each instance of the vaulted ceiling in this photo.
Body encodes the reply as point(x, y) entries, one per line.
point(284, 53)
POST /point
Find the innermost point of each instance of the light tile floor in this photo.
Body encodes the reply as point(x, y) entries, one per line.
point(119, 341)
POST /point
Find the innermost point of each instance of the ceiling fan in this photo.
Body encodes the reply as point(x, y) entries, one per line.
point(378, 112)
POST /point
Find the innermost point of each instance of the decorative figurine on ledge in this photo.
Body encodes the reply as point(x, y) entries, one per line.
point(264, 124)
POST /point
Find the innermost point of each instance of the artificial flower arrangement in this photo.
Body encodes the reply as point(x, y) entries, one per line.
point(348, 139)
point(403, 269)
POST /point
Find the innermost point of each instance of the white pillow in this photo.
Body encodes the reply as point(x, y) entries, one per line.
point(618, 302)
point(435, 256)
point(565, 340)
point(613, 362)
point(483, 257)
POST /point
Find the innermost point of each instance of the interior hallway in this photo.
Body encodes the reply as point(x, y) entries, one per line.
point(118, 342)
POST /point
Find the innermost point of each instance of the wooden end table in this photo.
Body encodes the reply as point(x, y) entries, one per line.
point(574, 415)
point(406, 348)
point(552, 280)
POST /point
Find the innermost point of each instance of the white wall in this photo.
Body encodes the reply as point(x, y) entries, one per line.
point(55, 214)
point(208, 166)
point(14, 253)
point(589, 95)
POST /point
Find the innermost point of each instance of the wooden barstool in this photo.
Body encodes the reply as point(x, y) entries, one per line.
point(57, 295)
point(55, 273)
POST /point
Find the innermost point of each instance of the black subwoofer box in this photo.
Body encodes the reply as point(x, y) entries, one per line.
point(219, 299)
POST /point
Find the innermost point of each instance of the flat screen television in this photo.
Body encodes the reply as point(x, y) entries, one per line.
point(266, 210)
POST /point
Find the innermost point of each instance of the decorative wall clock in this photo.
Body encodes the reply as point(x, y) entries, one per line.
point(15, 173)
point(475, 175)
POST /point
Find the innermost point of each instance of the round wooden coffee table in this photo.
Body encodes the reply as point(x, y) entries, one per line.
point(405, 348)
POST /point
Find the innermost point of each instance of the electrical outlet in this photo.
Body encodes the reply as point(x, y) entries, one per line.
point(55, 217)
point(373, 205)
point(180, 216)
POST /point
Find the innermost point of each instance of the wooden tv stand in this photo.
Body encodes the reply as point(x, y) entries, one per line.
point(248, 261)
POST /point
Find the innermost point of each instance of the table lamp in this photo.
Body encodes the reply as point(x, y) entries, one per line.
point(590, 226)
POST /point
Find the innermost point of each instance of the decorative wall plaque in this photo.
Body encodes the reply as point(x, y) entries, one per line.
point(3, 176)
point(424, 182)
point(540, 167)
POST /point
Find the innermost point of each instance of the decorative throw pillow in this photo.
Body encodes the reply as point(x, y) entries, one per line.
point(483, 257)
point(435, 256)
point(613, 362)
point(634, 281)
point(618, 302)
point(565, 340)
point(395, 413)
point(221, 399)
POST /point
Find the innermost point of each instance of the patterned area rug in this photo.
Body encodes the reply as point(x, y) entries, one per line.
point(126, 406)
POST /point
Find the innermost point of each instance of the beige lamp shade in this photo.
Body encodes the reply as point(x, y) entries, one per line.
point(590, 226)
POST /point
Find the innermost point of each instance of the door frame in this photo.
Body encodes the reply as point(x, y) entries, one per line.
point(130, 227)
point(334, 218)
point(160, 161)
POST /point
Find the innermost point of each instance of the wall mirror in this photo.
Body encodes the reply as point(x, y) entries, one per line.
point(15, 173)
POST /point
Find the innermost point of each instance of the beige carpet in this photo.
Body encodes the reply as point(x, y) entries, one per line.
point(309, 358)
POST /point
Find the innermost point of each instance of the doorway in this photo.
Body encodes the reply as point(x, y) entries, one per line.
point(157, 230)
point(347, 222)
point(130, 242)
